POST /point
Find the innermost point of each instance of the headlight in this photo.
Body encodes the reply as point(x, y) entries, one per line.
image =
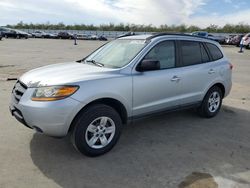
point(53, 93)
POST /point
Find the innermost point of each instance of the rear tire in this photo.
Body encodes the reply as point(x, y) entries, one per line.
point(96, 130)
point(211, 103)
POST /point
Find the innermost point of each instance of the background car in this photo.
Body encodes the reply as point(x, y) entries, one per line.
point(200, 33)
point(82, 36)
point(24, 33)
point(126, 34)
point(65, 35)
point(52, 35)
point(236, 40)
point(38, 34)
point(102, 38)
point(3, 29)
point(219, 39)
point(42, 34)
point(12, 33)
point(246, 40)
point(93, 37)
point(229, 39)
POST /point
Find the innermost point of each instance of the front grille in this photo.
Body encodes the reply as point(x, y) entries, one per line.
point(18, 91)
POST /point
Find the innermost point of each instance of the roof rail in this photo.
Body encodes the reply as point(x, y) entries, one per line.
point(154, 35)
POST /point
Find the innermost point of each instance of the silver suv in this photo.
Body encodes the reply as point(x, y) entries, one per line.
point(125, 79)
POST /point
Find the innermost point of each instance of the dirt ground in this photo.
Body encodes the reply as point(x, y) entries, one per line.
point(178, 149)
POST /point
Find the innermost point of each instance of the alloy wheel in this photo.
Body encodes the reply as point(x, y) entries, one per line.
point(100, 132)
point(214, 101)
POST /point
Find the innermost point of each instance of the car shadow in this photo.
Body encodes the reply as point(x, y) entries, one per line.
point(156, 152)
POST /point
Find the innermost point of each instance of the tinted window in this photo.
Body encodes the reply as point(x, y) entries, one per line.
point(204, 55)
point(202, 34)
point(191, 53)
point(214, 51)
point(164, 52)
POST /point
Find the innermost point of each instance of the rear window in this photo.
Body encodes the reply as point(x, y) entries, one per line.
point(214, 51)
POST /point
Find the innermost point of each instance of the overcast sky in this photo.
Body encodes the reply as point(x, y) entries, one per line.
point(156, 12)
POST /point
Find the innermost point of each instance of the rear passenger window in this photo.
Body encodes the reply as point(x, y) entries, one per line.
point(214, 51)
point(191, 53)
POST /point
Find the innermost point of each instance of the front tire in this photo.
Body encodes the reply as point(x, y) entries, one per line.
point(211, 103)
point(96, 130)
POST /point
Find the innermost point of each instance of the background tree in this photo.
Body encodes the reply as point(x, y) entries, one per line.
point(228, 28)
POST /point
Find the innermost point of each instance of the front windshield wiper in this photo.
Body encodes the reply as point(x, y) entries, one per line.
point(95, 63)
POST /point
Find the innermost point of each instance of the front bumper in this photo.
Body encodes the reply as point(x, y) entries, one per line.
point(51, 118)
point(18, 115)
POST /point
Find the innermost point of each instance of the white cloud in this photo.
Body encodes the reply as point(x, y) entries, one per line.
point(232, 18)
point(155, 12)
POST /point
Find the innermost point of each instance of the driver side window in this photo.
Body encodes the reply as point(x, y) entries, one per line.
point(163, 52)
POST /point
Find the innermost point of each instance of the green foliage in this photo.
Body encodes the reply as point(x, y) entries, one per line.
point(228, 28)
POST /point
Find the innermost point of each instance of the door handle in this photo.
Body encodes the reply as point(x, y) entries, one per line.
point(211, 71)
point(175, 79)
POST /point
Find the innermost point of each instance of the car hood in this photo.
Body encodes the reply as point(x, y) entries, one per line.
point(66, 73)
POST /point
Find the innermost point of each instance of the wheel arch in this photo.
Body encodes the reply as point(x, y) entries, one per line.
point(114, 103)
point(220, 85)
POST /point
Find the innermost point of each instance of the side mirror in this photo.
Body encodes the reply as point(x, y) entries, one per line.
point(148, 65)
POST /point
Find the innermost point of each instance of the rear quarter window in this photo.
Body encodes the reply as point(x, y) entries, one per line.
point(214, 51)
point(204, 54)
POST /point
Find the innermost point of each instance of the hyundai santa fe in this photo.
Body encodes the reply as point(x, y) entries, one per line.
point(125, 79)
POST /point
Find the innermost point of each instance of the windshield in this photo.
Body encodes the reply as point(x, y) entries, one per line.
point(117, 53)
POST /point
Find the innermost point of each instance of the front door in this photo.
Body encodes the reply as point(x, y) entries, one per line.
point(157, 90)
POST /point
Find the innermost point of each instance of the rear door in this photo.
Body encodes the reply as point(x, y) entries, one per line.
point(196, 71)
